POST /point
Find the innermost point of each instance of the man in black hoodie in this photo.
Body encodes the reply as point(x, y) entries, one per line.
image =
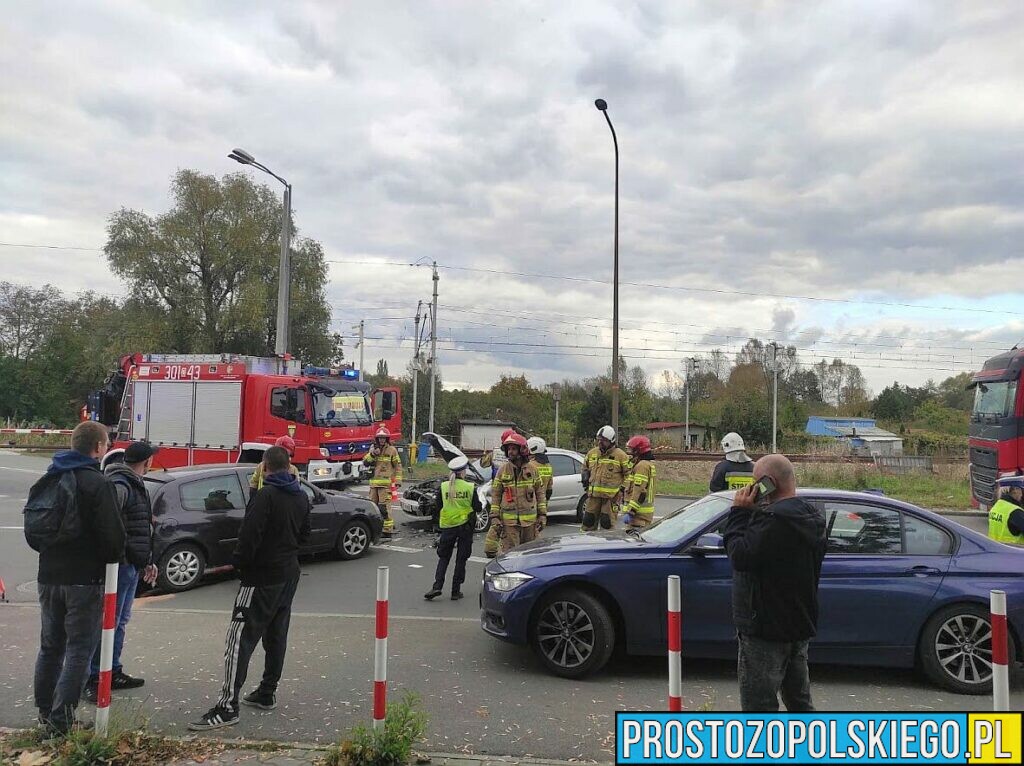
point(276, 524)
point(776, 543)
point(71, 572)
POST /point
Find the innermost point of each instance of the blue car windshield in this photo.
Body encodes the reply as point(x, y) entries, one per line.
point(685, 521)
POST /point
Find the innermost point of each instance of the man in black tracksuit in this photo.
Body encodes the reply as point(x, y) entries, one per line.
point(276, 524)
point(776, 545)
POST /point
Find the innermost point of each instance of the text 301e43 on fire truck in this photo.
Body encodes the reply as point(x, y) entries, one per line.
point(222, 408)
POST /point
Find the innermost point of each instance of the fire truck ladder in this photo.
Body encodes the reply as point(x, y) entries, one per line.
point(124, 424)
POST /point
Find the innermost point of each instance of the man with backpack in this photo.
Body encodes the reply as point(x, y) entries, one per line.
point(133, 502)
point(275, 526)
point(72, 521)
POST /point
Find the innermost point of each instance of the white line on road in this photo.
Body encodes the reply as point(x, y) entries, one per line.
point(12, 527)
point(399, 548)
point(415, 566)
point(478, 559)
point(19, 470)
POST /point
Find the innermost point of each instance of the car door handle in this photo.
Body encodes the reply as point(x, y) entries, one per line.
point(923, 571)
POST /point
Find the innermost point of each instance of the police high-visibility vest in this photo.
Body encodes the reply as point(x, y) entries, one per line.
point(455, 511)
point(998, 523)
point(735, 480)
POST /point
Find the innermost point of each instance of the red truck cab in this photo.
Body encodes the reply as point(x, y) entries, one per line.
point(996, 430)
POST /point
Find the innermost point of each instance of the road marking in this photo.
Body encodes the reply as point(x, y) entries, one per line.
point(478, 559)
point(415, 566)
point(19, 470)
point(399, 548)
point(12, 527)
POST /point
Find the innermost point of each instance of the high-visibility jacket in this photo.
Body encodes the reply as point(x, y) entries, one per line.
point(589, 464)
point(387, 467)
point(608, 477)
point(737, 479)
point(517, 494)
point(999, 523)
point(641, 489)
point(546, 474)
point(455, 511)
point(256, 480)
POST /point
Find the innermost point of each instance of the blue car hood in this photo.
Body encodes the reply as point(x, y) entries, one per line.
point(577, 545)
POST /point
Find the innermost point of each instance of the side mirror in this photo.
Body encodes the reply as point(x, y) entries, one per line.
point(710, 544)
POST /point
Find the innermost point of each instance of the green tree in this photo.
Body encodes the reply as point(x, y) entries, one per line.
point(211, 263)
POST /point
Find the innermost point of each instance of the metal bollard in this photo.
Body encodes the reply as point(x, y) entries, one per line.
point(380, 650)
point(106, 649)
point(675, 646)
point(1000, 653)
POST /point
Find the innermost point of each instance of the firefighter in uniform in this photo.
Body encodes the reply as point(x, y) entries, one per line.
point(518, 504)
point(256, 480)
point(539, 455)
point(458, 505)
point(737, 470)
point(387, 469)
point(607, 480)
point(589, 463)
point(640, 487)
point(1006, 517)
point(492, 540)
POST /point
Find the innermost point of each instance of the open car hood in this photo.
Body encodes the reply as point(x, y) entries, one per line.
point(448, 451)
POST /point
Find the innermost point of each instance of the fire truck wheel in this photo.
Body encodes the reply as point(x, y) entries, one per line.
point(181, 568)
point(353, 540)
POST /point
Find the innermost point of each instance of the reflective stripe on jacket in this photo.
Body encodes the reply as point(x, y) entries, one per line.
point(736, 480)
point(608, 477)
point(641, 489)
point(517, 494)
point(999, 523)
point(387, 467)
point(456, 511)
point(546, 476)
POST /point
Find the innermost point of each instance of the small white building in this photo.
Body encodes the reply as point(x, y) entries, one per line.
point(481, 434)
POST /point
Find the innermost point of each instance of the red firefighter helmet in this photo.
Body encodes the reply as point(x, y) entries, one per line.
point(512, 437)
point(288, 443)
point(639, 444)
point(382, 432)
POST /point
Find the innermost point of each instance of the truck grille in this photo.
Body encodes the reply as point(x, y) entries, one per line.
point(348, 449)
point(983, 484)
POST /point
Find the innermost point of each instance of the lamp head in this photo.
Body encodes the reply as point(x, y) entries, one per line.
point(240, 155)
point(600, 104)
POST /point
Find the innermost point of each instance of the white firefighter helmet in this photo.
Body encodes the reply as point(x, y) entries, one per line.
point(537, 445)
point(734, 449)
point(606, 432)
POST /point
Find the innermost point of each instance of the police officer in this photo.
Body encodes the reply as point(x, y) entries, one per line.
point(608, 474)
point(737, 470)
point(383, 458)
point(457, 505)
point(1006, 517)
point(640, 486)
point(518, 504)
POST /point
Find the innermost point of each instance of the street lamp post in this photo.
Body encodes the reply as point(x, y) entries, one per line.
point(284, 281)
point(556, 394)
point(602, 105)
point(775, 392)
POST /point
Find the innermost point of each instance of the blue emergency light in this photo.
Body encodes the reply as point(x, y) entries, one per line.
point(331, 372)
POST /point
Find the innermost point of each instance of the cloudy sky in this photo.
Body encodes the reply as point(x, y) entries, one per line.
point(844, 176)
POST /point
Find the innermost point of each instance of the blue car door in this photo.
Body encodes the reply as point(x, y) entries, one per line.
point(706, 583)
point(878, 580)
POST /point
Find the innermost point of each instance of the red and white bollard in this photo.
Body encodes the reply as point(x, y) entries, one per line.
point(380, 651)
point(106, 649)
point(1000, 653)
point(3, 590)
point(675, 646)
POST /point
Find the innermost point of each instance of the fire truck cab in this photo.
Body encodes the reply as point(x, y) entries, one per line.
point(996, 430)
point(222, 408)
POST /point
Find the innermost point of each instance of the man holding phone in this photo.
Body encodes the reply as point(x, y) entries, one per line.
point(776, 543)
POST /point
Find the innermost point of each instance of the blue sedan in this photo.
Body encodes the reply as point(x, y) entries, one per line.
point(900, 586)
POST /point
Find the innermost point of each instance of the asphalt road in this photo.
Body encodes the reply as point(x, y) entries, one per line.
point(482, 695)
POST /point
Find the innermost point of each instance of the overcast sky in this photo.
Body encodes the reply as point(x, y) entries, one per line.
point(849, 175)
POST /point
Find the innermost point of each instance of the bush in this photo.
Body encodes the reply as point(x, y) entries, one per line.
point(390, 745)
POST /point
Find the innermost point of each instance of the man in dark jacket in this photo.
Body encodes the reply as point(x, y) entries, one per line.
point(276, 524)
point(736, 470)
point(133, 501)
point(70, 579)
point(776, 543)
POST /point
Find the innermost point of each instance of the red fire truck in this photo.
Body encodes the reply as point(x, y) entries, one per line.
point(219, 408)
point(996, 430)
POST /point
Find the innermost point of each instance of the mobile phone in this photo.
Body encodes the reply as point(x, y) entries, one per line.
point(765, 487)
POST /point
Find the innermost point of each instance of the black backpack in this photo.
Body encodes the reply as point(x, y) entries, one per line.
point(51, 513)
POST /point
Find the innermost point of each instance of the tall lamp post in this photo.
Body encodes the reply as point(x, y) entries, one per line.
point(602, 105)
point(284, 282)
point(775, 392)
point(556, 394)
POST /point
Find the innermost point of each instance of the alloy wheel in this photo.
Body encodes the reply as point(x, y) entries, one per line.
point(355, 540)
point(481, 522)
point(565, 634)
point(963, 646)
point(183, 568)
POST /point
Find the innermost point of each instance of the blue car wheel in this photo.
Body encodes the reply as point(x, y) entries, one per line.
point(573, 633)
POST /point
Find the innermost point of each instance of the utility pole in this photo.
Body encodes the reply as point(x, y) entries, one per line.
point(415, 374)
point(690, 364)
point(775, 393)
point(433, 348)
point(556, 394)
point(362, 337)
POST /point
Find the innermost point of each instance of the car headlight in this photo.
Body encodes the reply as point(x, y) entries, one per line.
point(506, 581)
point(321, 471)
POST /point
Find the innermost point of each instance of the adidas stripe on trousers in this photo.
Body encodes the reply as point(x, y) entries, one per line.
point(261, 612)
